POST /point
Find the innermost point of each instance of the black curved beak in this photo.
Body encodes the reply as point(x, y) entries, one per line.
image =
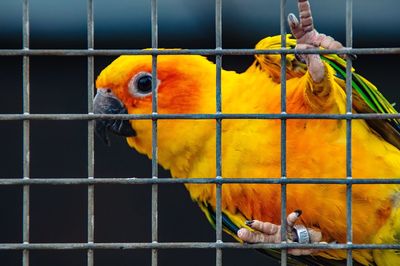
point(105, 102)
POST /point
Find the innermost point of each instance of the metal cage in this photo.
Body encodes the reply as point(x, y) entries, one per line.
point(218, 52)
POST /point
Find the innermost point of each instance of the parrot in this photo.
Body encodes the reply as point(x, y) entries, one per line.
point(316, 148)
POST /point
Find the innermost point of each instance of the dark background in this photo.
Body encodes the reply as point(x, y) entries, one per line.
point(59, 148)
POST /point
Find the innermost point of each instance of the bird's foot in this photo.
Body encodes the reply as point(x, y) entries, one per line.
point(309, 38)
point(265, 232)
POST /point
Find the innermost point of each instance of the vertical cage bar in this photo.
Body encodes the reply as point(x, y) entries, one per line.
point(26, 132)
point(154, 162)
point(218, 207)
point(283, 131)
point(90, 140)
point(349, 104)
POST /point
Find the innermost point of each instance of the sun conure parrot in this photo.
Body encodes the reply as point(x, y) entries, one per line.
point(251, 147)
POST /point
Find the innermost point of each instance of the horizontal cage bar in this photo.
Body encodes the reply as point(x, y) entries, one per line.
point(145, 181)
point(16, 117)
point(186, 245)
point(117, 52)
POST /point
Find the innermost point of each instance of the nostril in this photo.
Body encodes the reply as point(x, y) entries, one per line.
point(108, 91)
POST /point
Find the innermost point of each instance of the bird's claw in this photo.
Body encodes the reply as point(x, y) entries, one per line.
point(309, 38)
point(265, 232)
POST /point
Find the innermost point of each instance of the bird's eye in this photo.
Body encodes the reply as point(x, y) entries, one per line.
point(144, 84)
point(140, 85)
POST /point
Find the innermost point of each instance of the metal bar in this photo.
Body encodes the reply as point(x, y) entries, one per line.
point(186, 245)
point(26, 132)
point(17, 117)
point(284, 252)
point(117, 52)
point(225, 180)
point(90, 148)
point(154, 134)
point(349, 105)
point(218, 139)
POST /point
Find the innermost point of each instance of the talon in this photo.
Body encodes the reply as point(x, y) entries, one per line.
point(291, 219)
point(249, 223)
point(352, 56)
point(298, 212)
point(292, 19)
point(295, 27)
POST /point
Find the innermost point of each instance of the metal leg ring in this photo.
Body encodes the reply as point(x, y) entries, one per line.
point(301, 234)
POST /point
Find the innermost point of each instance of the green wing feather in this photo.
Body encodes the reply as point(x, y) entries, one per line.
point(369, 93)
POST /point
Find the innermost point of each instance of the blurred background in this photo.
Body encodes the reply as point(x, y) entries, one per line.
point(59, 148)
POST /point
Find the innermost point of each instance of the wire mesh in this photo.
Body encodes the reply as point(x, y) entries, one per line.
point(219, 116)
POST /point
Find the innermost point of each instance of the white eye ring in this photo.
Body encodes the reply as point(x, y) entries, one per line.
point(140, 85)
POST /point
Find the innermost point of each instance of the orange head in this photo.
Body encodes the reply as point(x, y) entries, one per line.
point(185, 84)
